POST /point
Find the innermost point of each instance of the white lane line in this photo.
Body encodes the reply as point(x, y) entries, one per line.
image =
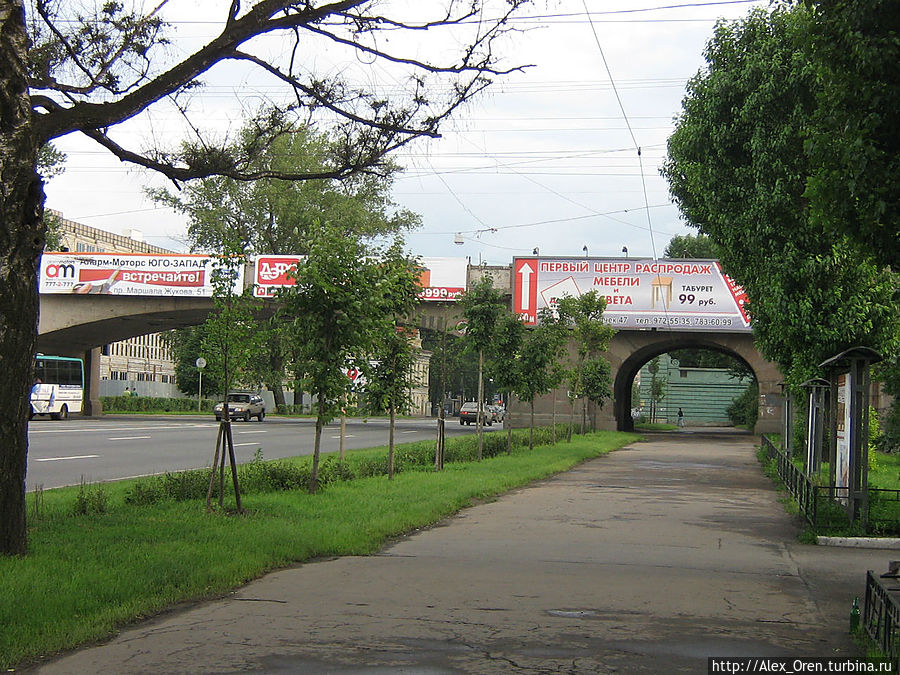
point(98, 430)
point(409, 432)
point(347, 436)
point(60, 459)
point(238, 445)
point(129, 438)
point(253, 432)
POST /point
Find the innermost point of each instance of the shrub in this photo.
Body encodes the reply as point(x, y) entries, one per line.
point(152, 403)
point(145, 493)
point(90, 500)
point(744, 409)
point(186, 485)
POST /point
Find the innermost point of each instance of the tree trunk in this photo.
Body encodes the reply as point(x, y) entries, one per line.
point(507, 424)
point(22, 234)
point(314, 474)
point(479, 424)
point(391, 443)
point(531, 427)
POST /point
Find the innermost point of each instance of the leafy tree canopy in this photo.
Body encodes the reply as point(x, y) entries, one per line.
point(276, 216)
point(738, 170)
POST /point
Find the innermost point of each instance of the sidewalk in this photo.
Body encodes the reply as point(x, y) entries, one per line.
point(648, 560)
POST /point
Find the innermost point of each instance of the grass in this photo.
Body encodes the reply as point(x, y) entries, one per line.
point(655, 426)
point(111, 563)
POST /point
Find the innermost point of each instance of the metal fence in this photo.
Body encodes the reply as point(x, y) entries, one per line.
point(823, 506)
point(881, 618)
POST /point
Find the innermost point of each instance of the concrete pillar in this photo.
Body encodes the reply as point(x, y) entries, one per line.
point(92, 406)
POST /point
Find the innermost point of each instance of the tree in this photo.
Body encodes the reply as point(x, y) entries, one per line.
point(537, 366)
point(187, 346)
point(391, 378)
point(691, 246)
point(482, 306)
point(345, 301)
point(657, 387)
point(228, 342)
point(738, 170)
point(854, 139)
point(271, 216)
point(504, 364)
point(584, 316)
point(70, 69)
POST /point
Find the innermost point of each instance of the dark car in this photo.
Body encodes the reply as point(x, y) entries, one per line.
point(242, 406)
point(468, 414)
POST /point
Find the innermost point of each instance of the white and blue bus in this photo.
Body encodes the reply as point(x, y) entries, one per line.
point(58, 386)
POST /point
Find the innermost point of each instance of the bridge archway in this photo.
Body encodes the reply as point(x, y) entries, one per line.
point(630, 350)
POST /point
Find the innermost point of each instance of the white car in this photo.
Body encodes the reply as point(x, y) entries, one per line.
point(242, 406)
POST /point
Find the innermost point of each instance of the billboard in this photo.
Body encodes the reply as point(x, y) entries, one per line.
point(129, 274)
point(442, 279)
point(682, 295)
point(271, 272)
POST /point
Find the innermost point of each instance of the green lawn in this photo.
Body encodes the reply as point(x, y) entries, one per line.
point(116, 562)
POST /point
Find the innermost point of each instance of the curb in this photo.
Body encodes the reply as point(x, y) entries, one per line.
point(860, 542)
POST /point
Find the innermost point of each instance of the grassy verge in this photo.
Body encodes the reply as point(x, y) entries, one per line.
point(98, 560)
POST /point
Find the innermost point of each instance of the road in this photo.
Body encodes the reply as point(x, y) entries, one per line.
point(123, 446)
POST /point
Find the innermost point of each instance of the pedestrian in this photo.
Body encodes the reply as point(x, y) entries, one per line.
point(680, 417)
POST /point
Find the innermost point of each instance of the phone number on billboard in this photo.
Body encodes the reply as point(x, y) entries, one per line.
point(704, 322)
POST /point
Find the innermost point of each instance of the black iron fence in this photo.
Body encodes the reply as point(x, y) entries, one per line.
point(824, 506)
point(881, 617)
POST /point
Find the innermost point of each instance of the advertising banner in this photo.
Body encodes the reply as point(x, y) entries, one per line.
point(130, 274)
point(681, 295)
point(442, 279)
point(844, 435)
point(271, 272)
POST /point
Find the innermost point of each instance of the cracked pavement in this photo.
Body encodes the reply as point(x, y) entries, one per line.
point(648, 560)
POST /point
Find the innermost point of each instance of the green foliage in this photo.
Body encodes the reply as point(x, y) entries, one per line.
point(738, 168)
point(343, 309)
point(154, 404)
point(597, 381)
point(691, 246)
point(90, 500)
point(854, 137)
point(482, 306)
point(744, 409)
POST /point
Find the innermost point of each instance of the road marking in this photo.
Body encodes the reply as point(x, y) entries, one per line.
point(129, 438)
point(70, 430)
point(253, 432)
point(347, 436)
point(59, 459)
point(409, 432)
point(238, 445)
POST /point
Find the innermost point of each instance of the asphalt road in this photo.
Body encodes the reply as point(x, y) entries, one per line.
point(62, 452)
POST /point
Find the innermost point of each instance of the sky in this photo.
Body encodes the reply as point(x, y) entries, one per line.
point(546, 159)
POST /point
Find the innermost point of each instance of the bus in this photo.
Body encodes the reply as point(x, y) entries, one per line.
point(58, 386)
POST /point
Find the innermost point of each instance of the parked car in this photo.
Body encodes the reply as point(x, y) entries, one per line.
point(242, 406)
point(469, 414)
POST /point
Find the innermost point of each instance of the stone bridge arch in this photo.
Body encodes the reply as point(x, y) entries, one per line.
point(630, 350)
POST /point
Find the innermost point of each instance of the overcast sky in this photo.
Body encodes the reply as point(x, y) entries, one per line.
point(544, 160)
